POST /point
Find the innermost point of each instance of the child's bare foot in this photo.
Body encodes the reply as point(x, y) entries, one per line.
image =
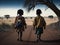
point(18, 39)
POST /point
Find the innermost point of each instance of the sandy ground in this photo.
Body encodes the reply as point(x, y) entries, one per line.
point(49, 37)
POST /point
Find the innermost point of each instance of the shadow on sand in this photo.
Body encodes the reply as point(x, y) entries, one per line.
point(43, 41)
point(51, 41)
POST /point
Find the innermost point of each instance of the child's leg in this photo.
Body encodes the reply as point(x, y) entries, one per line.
point(36, 32)
point(38, 37)
point(18, 35)
point(21, 35)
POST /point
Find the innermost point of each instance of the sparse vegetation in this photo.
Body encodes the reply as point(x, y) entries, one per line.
point(7, 16)
point(51, 16)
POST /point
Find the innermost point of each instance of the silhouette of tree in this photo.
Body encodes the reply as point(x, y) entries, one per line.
point(51, 16)
point(1, 17)
point(30, 4)
point(7, 16)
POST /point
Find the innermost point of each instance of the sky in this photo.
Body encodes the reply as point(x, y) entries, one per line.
point(10, 7)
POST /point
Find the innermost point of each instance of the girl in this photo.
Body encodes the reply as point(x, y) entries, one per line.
point(20, 24)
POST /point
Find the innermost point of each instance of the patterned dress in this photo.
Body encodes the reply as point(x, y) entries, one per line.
point(23, 24)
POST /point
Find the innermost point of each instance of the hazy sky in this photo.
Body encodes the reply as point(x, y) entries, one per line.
point(11, 6)
point(16, 3)
point(11, 3)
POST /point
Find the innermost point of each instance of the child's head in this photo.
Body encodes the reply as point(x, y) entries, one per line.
point(20, 12)
point(38, 12)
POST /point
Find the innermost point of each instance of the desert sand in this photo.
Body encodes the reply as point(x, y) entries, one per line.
point(50, 36)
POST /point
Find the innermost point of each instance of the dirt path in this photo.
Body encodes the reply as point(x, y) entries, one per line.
point(49, 37)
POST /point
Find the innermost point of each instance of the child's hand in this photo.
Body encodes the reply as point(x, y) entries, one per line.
point(16, 30)
point(25, 27)
point(15, 26)
point(44, 27)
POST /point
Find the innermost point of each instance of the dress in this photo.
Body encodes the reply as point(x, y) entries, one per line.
point(22, 25)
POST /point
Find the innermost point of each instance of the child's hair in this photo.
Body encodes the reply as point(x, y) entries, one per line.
point(38, 11)
point(20, 12)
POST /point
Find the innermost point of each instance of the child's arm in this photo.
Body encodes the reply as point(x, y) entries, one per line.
point(34, 23)
point(15, 21)
point(44, 24)
point(25, 23)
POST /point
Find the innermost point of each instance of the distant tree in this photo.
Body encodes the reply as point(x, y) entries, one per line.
point(7, 16)
point(26, 17)
point(51, 16)
point(1, 17)
point(30, 17)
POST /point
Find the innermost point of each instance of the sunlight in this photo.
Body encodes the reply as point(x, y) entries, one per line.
point(13, 12)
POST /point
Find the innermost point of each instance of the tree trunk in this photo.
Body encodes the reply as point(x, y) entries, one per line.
point(54, 8)
point(57, 12)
